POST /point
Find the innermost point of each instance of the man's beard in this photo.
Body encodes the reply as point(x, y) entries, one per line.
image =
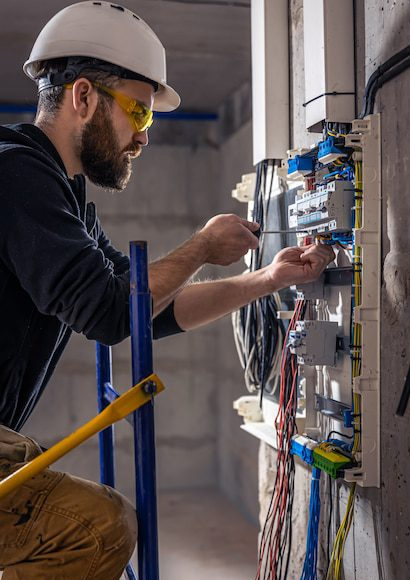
point(104, 162)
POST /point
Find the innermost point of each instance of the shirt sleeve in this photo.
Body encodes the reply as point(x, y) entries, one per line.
point(120, 261)
point(82, 281)
point(165, 323)
point(45, 244)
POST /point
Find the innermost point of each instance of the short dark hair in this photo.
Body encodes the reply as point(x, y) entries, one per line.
point(50, 99)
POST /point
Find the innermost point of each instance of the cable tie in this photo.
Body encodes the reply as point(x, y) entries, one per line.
point(328, 94)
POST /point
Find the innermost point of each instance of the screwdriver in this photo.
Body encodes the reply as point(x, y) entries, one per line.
point(260, 232)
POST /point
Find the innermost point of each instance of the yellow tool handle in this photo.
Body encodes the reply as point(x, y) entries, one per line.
point(118, 409)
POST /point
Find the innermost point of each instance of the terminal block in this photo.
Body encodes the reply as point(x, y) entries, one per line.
point(303, 447)
point(314, 342)
point(330, 150)
point(329, 458)
point(300, 166)
point(326, 209)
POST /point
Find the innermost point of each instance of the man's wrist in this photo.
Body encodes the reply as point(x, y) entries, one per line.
point(265, 281)
point(274, 281)
point(200, 243)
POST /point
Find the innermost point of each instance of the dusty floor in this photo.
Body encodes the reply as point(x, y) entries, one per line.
point(203, 536)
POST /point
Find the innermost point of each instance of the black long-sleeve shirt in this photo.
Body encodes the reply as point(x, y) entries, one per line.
point(58, 271)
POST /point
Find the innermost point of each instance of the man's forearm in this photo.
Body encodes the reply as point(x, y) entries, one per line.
point(223, 240)
point(203, 302)
point(169, 275)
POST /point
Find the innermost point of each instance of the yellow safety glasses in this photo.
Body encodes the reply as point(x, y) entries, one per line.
point(140, 116)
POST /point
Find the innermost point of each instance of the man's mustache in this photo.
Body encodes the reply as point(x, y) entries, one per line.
point(133, 151)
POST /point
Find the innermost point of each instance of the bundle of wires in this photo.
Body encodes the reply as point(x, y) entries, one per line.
point(356, 349)
point(276, 538)
point(310, 564)
point(258, 332)
point(392, 67)
point(336, 560)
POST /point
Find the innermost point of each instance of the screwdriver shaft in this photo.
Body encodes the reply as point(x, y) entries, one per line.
point(284, 232)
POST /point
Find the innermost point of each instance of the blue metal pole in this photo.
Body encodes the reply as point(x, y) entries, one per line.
point(144, 432)
point(106, 437)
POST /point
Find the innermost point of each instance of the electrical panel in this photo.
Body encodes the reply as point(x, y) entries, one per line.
point(333, 197)
point(311, 353)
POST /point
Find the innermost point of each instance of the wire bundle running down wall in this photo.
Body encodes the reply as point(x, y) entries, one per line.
point(258, 332)
point(276, 539)
point(310, 564)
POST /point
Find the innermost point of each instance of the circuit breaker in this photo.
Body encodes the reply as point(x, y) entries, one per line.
point(314, 342)
point(326, 208)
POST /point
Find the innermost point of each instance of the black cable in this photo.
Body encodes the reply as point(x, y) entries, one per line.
point(405, 395)
point(387, 76)
point(259, 320)
point(373, 84)
point(341, 434)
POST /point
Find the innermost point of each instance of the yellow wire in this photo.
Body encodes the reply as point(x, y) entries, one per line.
point(336, 561)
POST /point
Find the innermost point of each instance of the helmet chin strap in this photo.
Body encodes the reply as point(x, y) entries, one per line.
point(77, 65)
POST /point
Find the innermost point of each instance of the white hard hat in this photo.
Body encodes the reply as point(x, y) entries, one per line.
point(105, 32)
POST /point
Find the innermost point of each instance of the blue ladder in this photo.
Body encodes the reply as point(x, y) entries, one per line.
point(141, 420)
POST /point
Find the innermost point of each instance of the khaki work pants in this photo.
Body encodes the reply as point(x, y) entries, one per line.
point(60, 527)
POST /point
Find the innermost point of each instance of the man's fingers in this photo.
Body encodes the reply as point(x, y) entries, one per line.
point(252, 226)
point(253, 240)
point(318, 252)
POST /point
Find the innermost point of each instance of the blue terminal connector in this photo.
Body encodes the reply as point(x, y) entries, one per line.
point(300, 165)
point(348, 418)
point(328, 151)
point(303, 447)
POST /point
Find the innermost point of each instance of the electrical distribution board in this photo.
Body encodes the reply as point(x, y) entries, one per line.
point(336, 200)
point(338, 350)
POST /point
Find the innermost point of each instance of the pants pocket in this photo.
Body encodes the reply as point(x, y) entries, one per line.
point(20, 508)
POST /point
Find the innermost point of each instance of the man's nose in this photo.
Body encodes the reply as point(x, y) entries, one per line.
point(141, 138)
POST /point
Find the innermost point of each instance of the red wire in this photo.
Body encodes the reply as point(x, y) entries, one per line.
point(277, 513)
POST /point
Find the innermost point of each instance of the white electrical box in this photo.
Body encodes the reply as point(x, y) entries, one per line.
point(270, 79)
point(329, 62)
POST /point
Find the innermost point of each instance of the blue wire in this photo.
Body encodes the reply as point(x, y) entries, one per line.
point(310, 565)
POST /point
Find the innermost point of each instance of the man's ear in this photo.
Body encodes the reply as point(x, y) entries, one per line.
point(84, 98)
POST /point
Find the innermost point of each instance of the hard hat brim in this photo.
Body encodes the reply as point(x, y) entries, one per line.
point(166, 99)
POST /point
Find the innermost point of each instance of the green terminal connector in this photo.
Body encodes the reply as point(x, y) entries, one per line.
point(329, 459)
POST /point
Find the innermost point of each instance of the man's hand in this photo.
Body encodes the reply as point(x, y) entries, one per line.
point(228, 237)
point(299, 265)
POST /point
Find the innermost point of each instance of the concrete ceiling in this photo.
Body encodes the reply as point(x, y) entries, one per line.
point(207, 43)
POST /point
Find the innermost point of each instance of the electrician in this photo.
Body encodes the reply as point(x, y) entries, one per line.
point(100, 72)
